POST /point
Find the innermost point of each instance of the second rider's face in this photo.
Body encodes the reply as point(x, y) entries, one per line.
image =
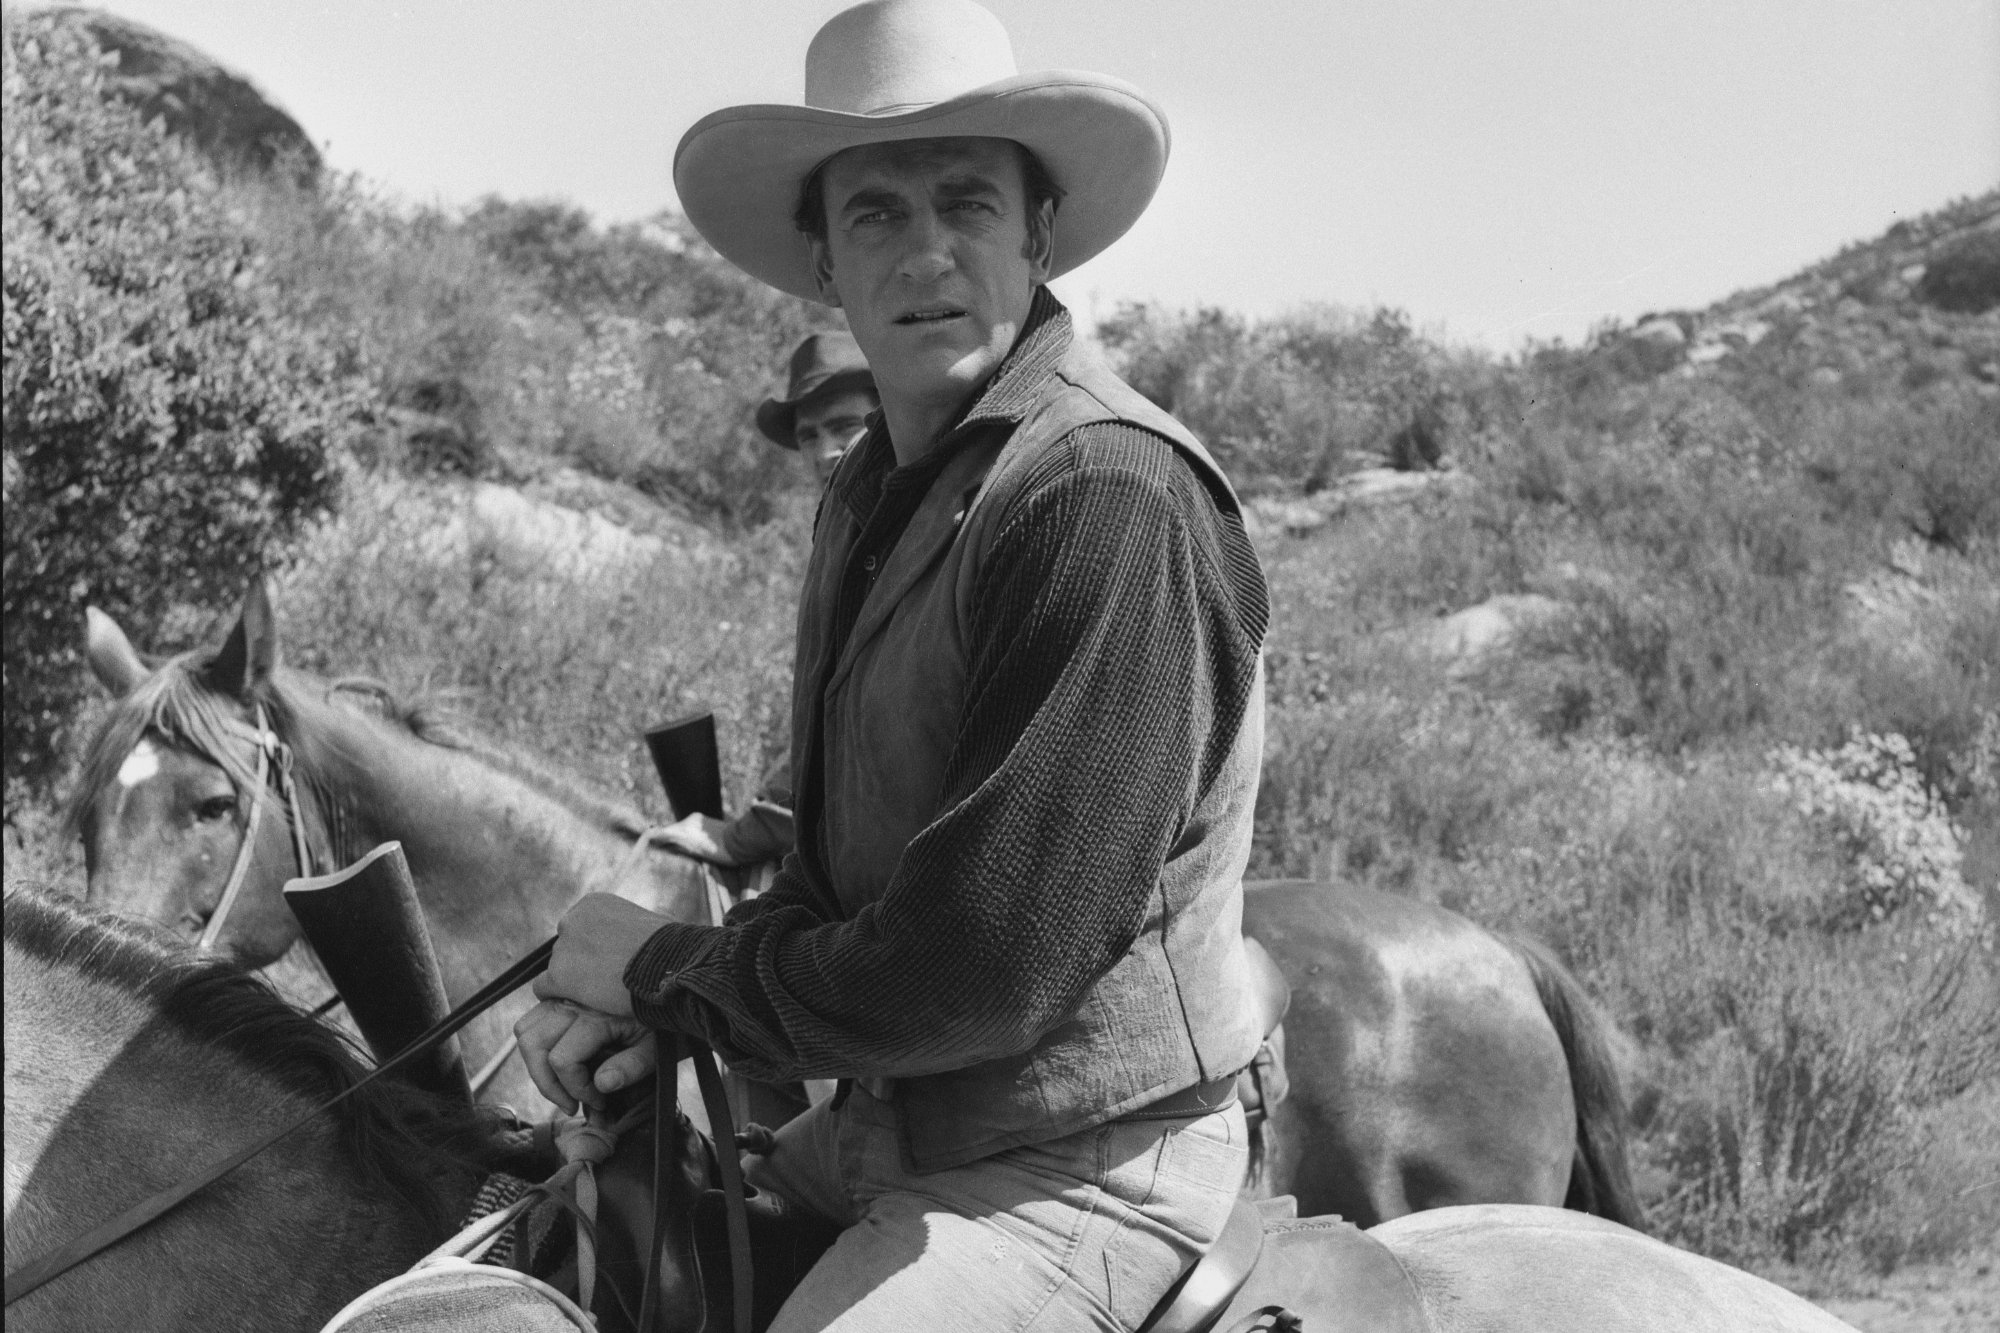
point(931, 254)
point(824, 428)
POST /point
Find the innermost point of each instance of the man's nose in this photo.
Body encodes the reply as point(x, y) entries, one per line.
point(927, 254)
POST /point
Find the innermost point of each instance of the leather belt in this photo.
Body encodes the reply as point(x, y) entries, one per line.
point(1218, 1094)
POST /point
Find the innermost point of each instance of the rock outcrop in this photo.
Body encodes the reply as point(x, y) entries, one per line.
point(222, 114)
point(1917, 306)
point(1370, 488)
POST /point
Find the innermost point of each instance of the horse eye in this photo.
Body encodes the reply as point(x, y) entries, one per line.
point(216, 807)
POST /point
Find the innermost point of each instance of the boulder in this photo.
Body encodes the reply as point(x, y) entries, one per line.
point(1465, 640)
point(220, 113)
point(1370, 488)
point(1374, 487)
point(1657, 344)
point(536, 535)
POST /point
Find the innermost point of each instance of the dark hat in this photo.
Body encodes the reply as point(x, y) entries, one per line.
point(823, 363)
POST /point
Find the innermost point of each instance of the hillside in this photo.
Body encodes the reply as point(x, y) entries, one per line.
point(1679, 651)
point(1908, 309)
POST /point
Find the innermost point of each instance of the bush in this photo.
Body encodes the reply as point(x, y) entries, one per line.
point(1286, 403)
point(1901, 848)
point(166, 427)
point(1965, 277)
point(675, 348)
point(1792, 1076)
point(567, 669)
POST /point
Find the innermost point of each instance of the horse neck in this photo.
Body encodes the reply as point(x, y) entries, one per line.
point(496, 859)
point(107, 1104)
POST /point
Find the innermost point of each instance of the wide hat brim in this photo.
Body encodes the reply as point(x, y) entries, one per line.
point(776, 417)
point(1105, 143)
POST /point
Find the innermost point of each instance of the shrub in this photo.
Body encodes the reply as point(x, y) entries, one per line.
point(568, 669)
point(1897, 836)
point(1965, 277)
point(1285, 403)
point(675, 348)
point(1791, 1076)
point(166, 426)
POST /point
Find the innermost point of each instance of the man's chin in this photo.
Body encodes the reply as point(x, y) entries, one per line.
point(958, 365)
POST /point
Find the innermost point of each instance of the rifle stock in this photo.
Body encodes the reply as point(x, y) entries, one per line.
point(684, 754)
point(368, 929)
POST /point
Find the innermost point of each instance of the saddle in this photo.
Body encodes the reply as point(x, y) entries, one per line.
point(1255, 1263)
point(1323, 1273)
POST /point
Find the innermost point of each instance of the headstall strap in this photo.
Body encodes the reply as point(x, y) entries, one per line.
point(271, 752)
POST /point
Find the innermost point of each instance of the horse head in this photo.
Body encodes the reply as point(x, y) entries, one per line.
point(172, 780)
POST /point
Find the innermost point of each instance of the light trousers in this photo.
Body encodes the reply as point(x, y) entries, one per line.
point(1084, 1232)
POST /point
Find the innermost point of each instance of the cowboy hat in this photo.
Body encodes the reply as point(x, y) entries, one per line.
point(918, 69)
point(825, 363)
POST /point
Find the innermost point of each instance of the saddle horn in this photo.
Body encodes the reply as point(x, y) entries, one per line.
point(368, 929)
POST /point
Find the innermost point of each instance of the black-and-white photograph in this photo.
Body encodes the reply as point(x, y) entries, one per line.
point(1125, 666)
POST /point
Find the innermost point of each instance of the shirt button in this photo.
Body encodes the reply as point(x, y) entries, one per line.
point(868, 563)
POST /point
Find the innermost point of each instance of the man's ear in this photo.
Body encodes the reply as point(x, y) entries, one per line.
point(822, 268)
point(1041, 249)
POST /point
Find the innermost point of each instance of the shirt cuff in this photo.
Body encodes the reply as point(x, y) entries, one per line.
point(653, 974)
point(763, 832)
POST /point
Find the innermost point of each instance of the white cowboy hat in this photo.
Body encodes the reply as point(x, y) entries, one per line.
point(918, 69)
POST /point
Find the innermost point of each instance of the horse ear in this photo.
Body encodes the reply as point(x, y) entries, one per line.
point(110, 654)
point(250, 654)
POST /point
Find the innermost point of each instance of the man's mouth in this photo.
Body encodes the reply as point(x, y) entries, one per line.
point(930, 316)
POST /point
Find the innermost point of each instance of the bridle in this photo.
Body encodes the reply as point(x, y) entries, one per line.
point(273, 755)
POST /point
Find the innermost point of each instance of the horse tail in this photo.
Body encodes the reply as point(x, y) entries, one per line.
point(1600, 1181)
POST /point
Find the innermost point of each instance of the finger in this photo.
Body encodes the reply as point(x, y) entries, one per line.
point(538, 1031)
point(628, 1066)
point(571, 1057)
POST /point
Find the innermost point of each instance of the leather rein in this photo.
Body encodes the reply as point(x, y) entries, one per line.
point(272, 754)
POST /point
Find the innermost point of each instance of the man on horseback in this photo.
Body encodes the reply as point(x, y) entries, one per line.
point(1027, 725)
point(824, 411)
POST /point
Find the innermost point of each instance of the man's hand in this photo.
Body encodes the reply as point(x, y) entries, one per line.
point(596, 940)
point(560, 1042)
point(699, 836)
point(585, 1007)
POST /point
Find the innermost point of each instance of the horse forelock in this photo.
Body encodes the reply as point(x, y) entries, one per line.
point(175, 702)
point(396, 1136)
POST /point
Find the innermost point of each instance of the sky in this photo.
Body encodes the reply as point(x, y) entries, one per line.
point(1500, 171)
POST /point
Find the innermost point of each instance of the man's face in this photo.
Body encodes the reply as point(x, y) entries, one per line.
point(931, 252)
point(825, 426)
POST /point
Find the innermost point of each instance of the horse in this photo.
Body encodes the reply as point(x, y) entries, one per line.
point(132, 1059)
point(1432, 1062)
point(498, 846)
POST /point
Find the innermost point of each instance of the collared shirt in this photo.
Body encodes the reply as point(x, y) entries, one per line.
point(1111, 654)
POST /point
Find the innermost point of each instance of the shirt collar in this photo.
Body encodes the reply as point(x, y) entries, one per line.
point(1015, 387)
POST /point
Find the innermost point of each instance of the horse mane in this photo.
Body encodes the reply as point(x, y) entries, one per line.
point(397, 1136)
point(177, 701)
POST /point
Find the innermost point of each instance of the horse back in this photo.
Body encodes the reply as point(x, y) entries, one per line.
point(1334, 1276)
point(1424, 1070)
point(1508, 1268)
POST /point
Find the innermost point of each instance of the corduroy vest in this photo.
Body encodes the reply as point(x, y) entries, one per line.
point(873, 733)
